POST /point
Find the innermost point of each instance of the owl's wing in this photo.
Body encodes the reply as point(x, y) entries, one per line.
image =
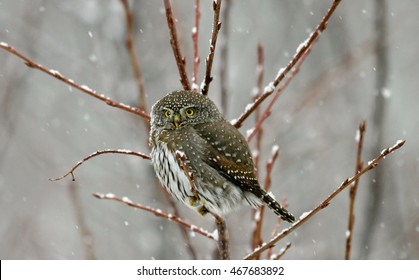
point(226, 150)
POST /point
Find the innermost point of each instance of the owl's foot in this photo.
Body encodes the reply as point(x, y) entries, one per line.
point(194, 202)
point(203, 211)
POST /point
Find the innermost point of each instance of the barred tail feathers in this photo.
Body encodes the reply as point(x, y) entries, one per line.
point(270, 201)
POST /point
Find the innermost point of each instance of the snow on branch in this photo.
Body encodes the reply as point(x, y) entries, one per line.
point(83, 88)
point(307, 215)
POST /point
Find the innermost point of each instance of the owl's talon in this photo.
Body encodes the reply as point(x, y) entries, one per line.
point(203, 211)
point(193, 201)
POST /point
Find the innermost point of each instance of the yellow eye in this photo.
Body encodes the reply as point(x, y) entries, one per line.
point(167, 113)
point(189, 112)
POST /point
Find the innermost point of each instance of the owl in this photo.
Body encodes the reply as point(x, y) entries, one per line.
point(203, 160)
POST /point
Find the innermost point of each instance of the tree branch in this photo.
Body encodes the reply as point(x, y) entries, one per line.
point(268, 111)
point(216, 25)
point(156, 212)
point(135, 64)
point(223, 237)
point(352, 191)
point(260, 214)
point(302, 48)
point(306, 216)
point(83, 88)
point(180, 59)
point(97, 153)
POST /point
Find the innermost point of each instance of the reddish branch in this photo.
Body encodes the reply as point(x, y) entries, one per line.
point(223, 235)
point(135, 64)
point(70, 82)
point(260, 214)
point(276, 228)
point(125, 152)
point(195, 38)
point(306, 216)
point(268, 110)
point(156, 212)
point(301, 50)
point(281, 253)
point(216, 25)
point(174, 42)
point(352, 191)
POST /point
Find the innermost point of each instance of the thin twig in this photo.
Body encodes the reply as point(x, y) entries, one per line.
point(83, 88)
point(281, 252)
point(174, 42)
point(195, 39)
point(303, 47)
point(352, 191)
point(216, 25)
point(260, 215)
point(223, 236)
point(135, 64)
point(276, 228)
point(268, 110)
point(156, 212)
point(306, 216)
point(97, 153)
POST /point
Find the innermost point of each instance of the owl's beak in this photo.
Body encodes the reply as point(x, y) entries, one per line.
point(177, 119)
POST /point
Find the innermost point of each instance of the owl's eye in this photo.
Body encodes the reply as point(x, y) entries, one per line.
point(190, 112)
point(167, 113)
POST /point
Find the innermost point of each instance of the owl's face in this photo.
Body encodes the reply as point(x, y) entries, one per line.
point(181, 108)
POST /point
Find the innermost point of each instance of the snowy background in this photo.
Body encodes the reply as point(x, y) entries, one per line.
point(46, 127)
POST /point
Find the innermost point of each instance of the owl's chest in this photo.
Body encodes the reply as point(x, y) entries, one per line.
point(170, 174)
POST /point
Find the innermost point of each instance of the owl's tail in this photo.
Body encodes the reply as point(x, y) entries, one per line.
point(270, 201)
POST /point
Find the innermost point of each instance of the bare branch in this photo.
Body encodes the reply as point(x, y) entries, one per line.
point(97, 153)
point(268, 111)
point(180, 59)
point(83, 88)
point(276, 228)
point(260, 215)
point(352, 191)
point(306, 216)
point(216, 25)
point(301, 50)
point(195, 39)
point(135, 64)
point(281, 253)
point(156, 212)
point(223, 237)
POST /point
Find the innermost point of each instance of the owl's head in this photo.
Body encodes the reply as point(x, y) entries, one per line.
point(183, 107)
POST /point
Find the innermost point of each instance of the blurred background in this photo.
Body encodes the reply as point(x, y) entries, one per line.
point(364, 67)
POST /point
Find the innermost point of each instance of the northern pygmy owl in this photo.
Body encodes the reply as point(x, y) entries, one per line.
point(192, 144)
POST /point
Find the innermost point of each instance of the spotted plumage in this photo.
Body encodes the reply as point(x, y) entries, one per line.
point(188, 129)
